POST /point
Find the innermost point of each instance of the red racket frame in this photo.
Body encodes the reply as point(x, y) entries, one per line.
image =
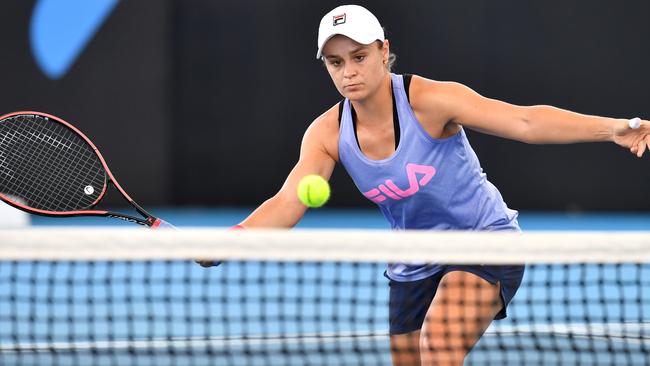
point(149, 219)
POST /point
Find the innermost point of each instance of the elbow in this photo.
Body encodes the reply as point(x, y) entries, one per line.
point(526, 131)
point(290, 205)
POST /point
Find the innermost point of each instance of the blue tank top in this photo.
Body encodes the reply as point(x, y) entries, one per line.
point(427, 183)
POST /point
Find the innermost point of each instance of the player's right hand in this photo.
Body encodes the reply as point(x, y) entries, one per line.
point(205, 263)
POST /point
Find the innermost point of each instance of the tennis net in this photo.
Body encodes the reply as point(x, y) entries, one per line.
point(304, 297)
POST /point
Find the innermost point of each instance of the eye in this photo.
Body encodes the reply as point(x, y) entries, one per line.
point(359, 58)
point(334, 62)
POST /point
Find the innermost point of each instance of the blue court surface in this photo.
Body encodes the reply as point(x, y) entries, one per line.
point(364, 218)
point(337, 312)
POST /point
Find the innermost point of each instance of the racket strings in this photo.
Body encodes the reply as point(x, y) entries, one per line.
point(68, 166)
point(48, 163)
point(53, 166)
point(47, 166)
point(24, 154)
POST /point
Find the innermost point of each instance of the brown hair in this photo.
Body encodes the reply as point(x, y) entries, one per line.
point(391, 57)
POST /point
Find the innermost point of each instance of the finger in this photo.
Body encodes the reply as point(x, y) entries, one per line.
point(634, 144)
point(644, 145)
point(640, 146)
point(641, 149)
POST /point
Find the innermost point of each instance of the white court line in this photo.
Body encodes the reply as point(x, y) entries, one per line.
point(638, 333)
point(634, 333)
point(196, 342)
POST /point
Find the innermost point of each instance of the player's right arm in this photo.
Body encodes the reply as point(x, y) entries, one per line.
point(318, 155)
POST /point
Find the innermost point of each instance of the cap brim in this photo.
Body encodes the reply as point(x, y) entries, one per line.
point(367, 41)
point(319, 53)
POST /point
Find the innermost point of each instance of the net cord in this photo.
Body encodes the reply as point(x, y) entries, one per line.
point(136, 244)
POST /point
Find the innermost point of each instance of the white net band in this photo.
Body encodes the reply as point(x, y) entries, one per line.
point(326, 245)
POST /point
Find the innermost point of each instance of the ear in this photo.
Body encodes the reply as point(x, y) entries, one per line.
point(386, 51)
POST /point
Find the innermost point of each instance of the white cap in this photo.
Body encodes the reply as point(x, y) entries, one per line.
point(352, 21)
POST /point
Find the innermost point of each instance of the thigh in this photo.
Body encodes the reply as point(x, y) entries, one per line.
point(509, 278)
point(464, 306)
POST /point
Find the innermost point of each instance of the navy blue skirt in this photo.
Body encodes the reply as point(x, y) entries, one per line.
point(409, 301)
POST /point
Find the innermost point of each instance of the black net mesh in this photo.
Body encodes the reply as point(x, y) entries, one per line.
point(161, 312)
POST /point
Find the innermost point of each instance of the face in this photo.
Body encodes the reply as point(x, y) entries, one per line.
point(357, 70)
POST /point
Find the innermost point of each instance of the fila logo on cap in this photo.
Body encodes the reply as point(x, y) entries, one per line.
point(338, 19)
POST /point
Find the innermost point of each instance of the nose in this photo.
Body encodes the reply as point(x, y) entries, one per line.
point(349, 70)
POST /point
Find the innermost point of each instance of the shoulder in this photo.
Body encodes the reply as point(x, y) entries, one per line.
point(326, 123)
point(440, 97)
point(324, 131)
point(423, 89)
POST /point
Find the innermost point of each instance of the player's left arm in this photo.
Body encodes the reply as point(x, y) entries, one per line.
point(540, 124)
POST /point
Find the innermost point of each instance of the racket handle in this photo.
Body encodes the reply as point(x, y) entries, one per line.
point(162, 224)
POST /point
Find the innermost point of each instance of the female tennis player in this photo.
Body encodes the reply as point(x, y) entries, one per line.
point(402, 141)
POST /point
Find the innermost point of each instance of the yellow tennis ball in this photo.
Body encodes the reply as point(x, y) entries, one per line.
point(313, 190)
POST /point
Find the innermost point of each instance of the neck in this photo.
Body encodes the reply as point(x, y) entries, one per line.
point(377, 107)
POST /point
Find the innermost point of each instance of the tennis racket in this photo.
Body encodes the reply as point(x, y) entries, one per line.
point(48, 167)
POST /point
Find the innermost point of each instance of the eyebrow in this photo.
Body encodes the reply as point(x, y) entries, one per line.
point(360, 48)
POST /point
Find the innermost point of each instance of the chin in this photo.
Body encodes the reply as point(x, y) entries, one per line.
point(356, 95)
